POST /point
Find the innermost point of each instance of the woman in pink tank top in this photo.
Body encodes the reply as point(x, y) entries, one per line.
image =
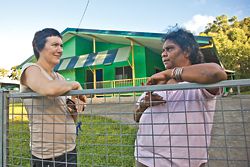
point(175, 126)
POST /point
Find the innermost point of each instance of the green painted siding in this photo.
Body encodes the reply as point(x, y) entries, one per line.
point(83, 46)
point(140, 62)
point(80, 75)
point(153, 62)
point(100, 46)
point(69, 48)
point(77, 46)
point(68, 74)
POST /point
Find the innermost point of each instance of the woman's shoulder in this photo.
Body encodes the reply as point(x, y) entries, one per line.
point(27, 65)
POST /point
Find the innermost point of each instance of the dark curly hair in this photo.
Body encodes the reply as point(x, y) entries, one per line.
point(187, 42)
point(40, 39)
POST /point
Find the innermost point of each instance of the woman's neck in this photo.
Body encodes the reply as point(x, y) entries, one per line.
point(47, 67)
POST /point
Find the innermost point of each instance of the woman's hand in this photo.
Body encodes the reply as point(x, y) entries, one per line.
point(80, 102)
point(151, 99)
point(82, 98)
point(159, 78)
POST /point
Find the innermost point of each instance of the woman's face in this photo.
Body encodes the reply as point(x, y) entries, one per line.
point(52, 50)
point(172, 55)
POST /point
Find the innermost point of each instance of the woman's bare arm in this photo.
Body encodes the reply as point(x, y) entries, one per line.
point(35, 80)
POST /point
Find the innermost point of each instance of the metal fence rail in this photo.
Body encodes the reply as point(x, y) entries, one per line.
point(108, 132)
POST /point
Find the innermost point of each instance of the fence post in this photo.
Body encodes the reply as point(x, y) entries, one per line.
point(238, 90)
point(4, 109)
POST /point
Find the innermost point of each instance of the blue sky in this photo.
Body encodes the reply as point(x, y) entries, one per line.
point(21, 19)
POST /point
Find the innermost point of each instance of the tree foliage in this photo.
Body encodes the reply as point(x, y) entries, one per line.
point(15, 73)
point(3, 72)
point(232, 40)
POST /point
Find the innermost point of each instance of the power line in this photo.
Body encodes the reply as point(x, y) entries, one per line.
point(83, 15)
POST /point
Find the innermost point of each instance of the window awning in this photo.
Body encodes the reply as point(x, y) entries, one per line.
point(105, 57)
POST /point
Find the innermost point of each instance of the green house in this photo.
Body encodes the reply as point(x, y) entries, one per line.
point(108, 58)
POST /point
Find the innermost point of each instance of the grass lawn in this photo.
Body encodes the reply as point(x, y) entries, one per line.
point(102, 141)
point(246, 93)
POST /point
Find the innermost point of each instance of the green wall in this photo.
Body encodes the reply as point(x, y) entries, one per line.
point(140, 62)
point(153, 62)
point(68, 74)
point(69, 48)
point(80, 75)
point(83, 46)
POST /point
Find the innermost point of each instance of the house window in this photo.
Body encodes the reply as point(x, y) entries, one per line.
point(123, 73)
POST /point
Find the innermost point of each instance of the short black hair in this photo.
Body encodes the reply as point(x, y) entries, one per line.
point(186, 40)
point(40, 38)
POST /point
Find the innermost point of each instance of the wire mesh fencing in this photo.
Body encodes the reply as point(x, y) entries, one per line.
point(105, 134)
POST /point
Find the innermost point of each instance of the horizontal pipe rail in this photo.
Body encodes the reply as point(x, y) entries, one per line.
point(227, 83)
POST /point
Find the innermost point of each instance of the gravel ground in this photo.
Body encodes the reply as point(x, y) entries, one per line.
point(230, 145)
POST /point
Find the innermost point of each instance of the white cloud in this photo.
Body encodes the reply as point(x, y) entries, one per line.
point(198, 23)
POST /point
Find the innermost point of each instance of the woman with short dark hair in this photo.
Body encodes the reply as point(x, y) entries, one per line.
point(52, 127)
